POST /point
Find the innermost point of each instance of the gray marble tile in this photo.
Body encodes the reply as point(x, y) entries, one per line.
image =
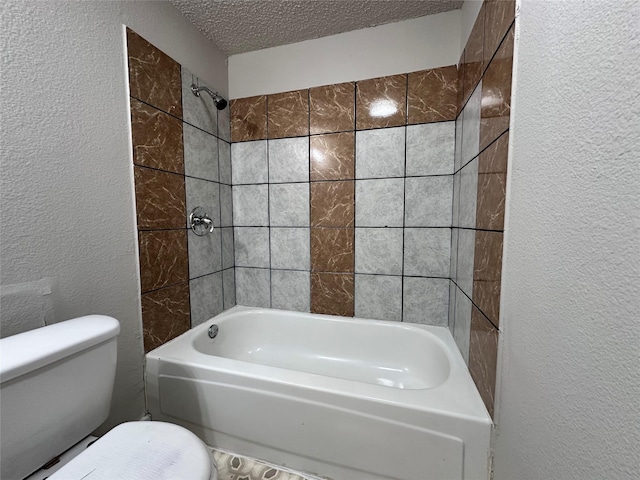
point(205, 194)
point(380, 153)
point(224, 162)
point(200, 153)
point(249, 162)
point(426, 301)
point(428, 201)
point(253, 287)
point(291, 290)
point(471, 126)
point(468, 195)
point(251, 245)
point(427, 252)
point(198, 111)
point(228, 254)
point(430, 148)
point(452, 306)
point(289, 205)
point(378, 250)
point(251, 205)
point(226, 206)
point(289, 160)
point(453, 270)
point(455, 219)
point(457, 157)
point(224, 124)
point(205, 254)
point(205, 295)
point(466, 252)
point(378, 297)
point(462, 324)
point(380, 203)
point(229, 287)
point(290, 248)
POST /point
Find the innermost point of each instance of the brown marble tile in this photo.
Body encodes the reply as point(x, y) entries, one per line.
point(332, 293)
point(165, 315)
point(160, 199)
point(332, 250)
point(483, 357)
point(473, 55)
point(163, 258)
point(496, 93)
point(499, 15)
point(460, 85)
point(154, 77)
point(381, 102)
point(433, 94)
point(248, 118)
point(492, 179)
point(332, 108)
point(157, 138)
point(332, 156)
point(288, 114)
point(487, 273)
point(332, 204)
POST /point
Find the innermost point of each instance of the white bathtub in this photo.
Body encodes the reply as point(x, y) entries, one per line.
point(340, 398)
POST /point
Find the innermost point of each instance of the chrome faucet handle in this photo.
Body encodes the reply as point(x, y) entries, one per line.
point(200, 222)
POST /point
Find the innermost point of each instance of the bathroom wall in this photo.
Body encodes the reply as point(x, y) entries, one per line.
point(482, 140)
point(342, 197)
point(182, 160)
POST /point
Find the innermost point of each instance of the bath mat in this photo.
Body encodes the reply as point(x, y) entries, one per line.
point(234, 467)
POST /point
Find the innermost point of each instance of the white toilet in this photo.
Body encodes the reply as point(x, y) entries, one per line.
point(55, 389)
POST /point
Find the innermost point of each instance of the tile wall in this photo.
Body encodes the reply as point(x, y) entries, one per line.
point(342, 197)
point(482, 141)
point(182, 159)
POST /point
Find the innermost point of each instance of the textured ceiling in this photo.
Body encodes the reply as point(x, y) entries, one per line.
point(238, 26)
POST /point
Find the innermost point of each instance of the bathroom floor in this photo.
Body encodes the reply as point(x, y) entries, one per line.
point(233, 467)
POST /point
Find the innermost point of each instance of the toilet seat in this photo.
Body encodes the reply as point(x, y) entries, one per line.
point(140, 451)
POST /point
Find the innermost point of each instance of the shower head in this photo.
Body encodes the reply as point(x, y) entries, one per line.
point(218, 101)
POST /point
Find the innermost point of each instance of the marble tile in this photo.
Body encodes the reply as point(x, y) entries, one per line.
point(453, 270)
point(251, 205)
point(248, 118)
point(499, 15)
point(229, 287)
point(492, 180)
point(226, 206)
point(381, 102)
point(428, 201)
point(249, 162)
point(156, 137)
point(432, 95)
point(198, 111)
point(378, 297)
point(332, 294)
point(228, 253)
point(496, 93)
point(207, 299)
point(290, 248)
point(288, 114)
point(427, 252)
point(165, 315)
point(430, 149)
point(205, 255)
point(380, 203)
point(452, 306)
point(380, 153)
point(163, 258)
point(289, 160)
point(289, 205)
point(291, 290)
point(332, 156)
point(200, 154)
point(253, 287)
point(462, 322)
point(251, 246)
point(332, 108)
point(224, 124)
point(426, 301)
point(457, 156)
point(160, 199)
point(471, 126)
point(468, 195)
point(483, 357)
point(466, 249)
point(154, 77)
point(332, 204)
point(378, 250)
point(473, 55)
point(455, 217)
point(487, 273)
point(205, 194)
point(224, 161)
point(460, 82)
point(332, 250)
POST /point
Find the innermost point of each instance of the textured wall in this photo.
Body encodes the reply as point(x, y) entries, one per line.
point(568, 396)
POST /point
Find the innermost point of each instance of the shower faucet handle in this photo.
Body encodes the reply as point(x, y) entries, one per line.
point(200, 222)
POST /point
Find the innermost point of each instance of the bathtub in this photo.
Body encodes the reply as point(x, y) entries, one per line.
point(338, 398)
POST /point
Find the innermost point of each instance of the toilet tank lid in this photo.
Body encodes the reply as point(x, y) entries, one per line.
point(25, 352)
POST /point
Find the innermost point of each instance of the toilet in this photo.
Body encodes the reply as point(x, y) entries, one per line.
point(56, 384)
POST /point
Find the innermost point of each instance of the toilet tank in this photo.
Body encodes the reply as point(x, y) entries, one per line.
point(55, 389)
